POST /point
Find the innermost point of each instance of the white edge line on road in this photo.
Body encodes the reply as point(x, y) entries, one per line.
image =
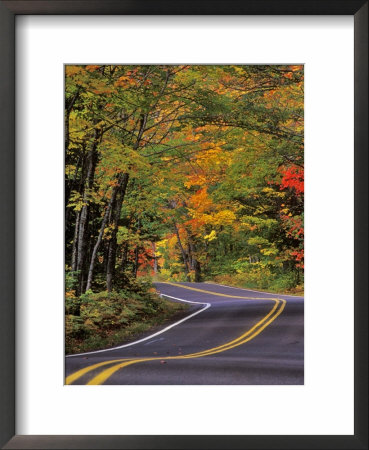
point(207, 305)
point(252, 290)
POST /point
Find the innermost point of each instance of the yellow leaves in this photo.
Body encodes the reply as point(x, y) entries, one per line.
point(273, 193)
point(172, 242)
point(252, 223)
point(248, 226)
point(211, 162)
point(161, 243)
point(70, 71)
point(258, 241)
point(70, 170)
point(195, 180)
point(119, 158)
point(220, 218)
point(239, 70)
point(79, 128)
point(70, 294)
point(75, 201)
point(125, 235)
point(268, 190)
point(211, 236)
point(108, 231)
point(271, 251)
point(89, 323)
point(224, 217)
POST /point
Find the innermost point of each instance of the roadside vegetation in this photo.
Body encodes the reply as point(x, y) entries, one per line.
point(100, 320)
point(181, 173)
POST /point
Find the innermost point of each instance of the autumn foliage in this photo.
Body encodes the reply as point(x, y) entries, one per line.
point(184, 173)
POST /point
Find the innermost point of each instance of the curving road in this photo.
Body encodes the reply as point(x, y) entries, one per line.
point(229, 336)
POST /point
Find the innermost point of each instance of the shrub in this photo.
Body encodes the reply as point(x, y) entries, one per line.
point(96, 320)
point(263, 276)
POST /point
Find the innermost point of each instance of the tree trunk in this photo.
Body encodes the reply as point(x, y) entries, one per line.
point(189, 257)
point(198, 276)
point(101, 232)
point(155, 259)
point(112, 254)
point(135, 266)
point(69, 186)
point(124, 261)
point(105, 253)
point(137, 249)
point(184, 256)
point(98, 242)
point(83, 222)
point(195, 265)
point(75, 243)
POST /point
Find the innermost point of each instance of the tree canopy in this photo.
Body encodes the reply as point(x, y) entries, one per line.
point(187, 172)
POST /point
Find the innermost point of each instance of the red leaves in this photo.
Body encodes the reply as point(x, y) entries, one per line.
point(293, 178)
point(294, 228)
point(299, 257)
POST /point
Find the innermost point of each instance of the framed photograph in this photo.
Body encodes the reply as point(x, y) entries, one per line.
point(185, 238)
point(197, 197)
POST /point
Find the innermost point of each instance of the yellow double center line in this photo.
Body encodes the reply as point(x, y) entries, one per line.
point(101, 377)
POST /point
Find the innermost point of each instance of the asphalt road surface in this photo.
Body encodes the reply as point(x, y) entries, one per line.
point(229, 336)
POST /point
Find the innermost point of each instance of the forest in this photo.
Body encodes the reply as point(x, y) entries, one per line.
point(179, 173)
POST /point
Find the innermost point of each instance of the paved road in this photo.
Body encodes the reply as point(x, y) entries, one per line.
point(233, 336)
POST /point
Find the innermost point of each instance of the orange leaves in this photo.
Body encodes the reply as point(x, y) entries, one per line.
point(126, 81)
point(122, 81)
point(196, 223)
point(296, 68)
point(92, 68)
point(194, 180)
point(201, 201)
point(192, 137)
point(270, 94)
point(100, 91)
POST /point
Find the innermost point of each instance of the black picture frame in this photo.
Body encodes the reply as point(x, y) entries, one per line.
point(8, 11)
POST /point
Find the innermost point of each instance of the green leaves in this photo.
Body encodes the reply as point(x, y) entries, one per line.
point(214, 150)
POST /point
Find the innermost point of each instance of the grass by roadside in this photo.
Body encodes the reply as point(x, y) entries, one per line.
point(104, 320)
point(294, 292)
point(277, 288)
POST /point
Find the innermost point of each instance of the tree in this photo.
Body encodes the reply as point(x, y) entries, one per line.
point(197, 170)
